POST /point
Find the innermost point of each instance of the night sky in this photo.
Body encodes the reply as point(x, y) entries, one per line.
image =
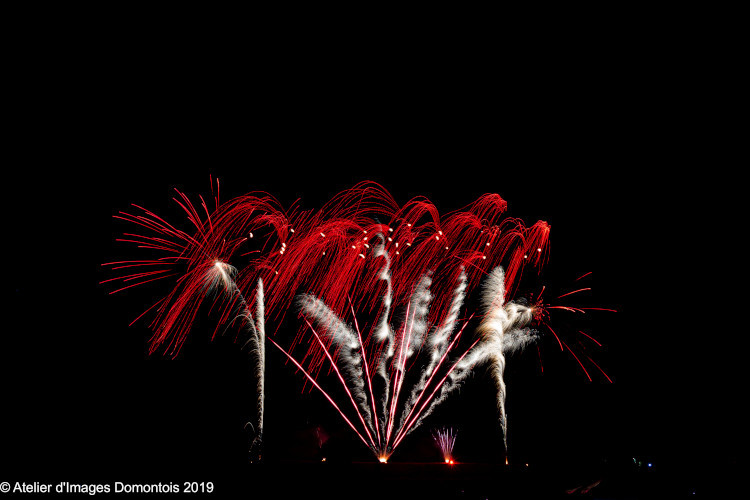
point(632, 195)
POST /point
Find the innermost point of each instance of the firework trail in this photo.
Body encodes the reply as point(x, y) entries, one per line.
point(257, 346)
point(445, 439)
point(221, 277)
point(407, 267)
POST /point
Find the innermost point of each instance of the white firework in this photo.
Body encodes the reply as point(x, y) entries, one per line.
point(387, 417)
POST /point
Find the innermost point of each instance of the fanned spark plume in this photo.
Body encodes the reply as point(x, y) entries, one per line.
point(500, 331)
point(445, 439)
point(384, 418)
point(406, 269)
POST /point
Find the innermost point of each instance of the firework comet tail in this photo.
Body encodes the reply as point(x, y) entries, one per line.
point(502, 331)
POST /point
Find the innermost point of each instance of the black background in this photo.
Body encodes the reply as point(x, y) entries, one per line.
point(615, 152)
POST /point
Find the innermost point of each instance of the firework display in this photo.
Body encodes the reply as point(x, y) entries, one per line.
point(402, 272)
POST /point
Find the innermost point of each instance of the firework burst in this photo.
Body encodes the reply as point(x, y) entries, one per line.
point(405, 270)
point(445, 439)
point(542, 312)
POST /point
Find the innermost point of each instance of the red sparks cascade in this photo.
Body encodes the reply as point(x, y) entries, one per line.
point(327, 253)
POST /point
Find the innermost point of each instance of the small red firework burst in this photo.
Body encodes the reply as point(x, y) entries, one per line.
point(542, 318)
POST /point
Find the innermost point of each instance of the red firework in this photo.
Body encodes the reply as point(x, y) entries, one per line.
point(325, 253)
point(542, 317)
